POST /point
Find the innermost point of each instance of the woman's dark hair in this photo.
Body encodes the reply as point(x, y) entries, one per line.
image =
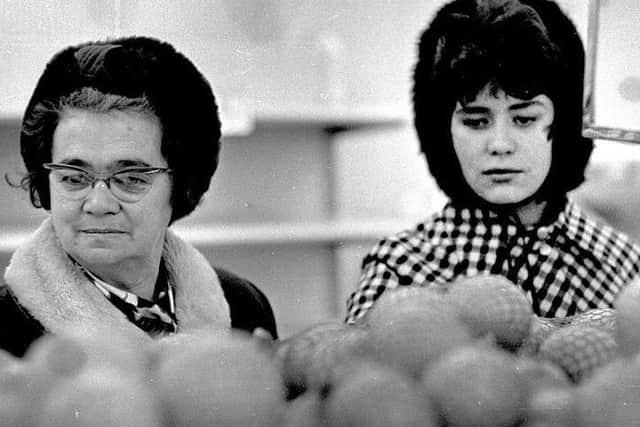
point(523, 47)
point(131, 73)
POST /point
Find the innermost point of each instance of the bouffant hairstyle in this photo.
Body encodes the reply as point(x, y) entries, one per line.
point(523, 47)
point(131, 73)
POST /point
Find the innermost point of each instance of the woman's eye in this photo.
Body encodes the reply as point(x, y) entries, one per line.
point(132, 179)
point(476, 123)
point(524, 121)
point(75, 179)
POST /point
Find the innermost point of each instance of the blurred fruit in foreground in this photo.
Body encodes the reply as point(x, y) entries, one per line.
point(223, 380)
point(25, 383)
point(20, 392)
point(100, 397)
point(493, 305)
point(541, 374)
point(611, 397)
point(305, 356)
point(627, 306)
point(97, 348)
point(551, 407)
point(539, 330)
point(306, 410)
point(405, 298)
point(342, 348)
point(376, 396)
point(579, 349)
point(408, 335)
point(59, 355)
point(476, 385)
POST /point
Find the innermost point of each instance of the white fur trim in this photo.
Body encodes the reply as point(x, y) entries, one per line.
point(51, 288)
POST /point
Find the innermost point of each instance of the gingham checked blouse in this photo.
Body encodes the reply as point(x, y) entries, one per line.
point(568, 266)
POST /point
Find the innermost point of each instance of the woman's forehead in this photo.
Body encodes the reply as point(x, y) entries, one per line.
point(109, 138)
point(494, 91)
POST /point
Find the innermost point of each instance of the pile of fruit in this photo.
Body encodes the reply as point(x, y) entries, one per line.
point(473, 354)
point(470, 355)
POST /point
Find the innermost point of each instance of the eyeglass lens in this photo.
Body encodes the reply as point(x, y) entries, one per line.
point(127, 186)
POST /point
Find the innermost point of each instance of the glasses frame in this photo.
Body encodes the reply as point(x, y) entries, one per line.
point(107, 177)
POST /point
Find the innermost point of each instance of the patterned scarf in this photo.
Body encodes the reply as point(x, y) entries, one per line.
point(156, 317)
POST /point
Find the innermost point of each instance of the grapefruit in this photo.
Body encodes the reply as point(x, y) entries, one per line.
point(228, 380)
point(376, 396)
point(627, 306)
point(579, 349)
point(476, 385)
point(493, 305)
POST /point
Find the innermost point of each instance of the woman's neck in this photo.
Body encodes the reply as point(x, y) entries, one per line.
point(531, 213)
point(139, 278)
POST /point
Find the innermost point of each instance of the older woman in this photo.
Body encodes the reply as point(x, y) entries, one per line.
point(498, 92)
point(120, 139)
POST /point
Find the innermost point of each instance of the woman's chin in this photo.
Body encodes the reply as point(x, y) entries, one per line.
point(98, 256)
point(508, 198)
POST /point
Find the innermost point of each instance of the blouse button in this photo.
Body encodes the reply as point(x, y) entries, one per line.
point(545, 250)
point(543, 233)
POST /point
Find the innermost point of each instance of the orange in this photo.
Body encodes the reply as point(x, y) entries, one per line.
point(102, 348)
point(407, 337)
point(226, 380)
point(306, 410)
point(541, 374)
point(375, 396)
point(20, 392)
point(539, 330)
point(627, 306)
point(552, 407)
point(610, 397)
point(579, 349)
point(493, 305)
point(476, 385)
point(295, 354)
point(405, 298)
point(59, 355)
point(342, 348)
point(100, 397)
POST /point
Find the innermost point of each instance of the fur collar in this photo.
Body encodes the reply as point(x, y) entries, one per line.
point(51, 288)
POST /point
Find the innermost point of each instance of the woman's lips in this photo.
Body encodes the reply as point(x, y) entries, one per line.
point(101, 231)
point(500, 172)
point(502, 175)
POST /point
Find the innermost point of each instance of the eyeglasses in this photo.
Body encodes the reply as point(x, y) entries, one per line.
point(127, 185)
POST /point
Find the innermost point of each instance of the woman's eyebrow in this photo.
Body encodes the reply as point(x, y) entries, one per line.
point(471, 109)
point(130, 163)
point(119, 164)
point(73, 161)
point(524, 104)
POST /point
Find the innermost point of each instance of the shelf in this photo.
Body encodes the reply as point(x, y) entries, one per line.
point(224, 235)
point(341, 117)
point(238, 122)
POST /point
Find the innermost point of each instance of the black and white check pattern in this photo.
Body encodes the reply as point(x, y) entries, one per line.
point(566, 267)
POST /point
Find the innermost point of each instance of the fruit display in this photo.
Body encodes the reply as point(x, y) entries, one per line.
point(470, 354)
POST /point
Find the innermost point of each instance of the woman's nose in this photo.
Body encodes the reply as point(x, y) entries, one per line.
point(501, 139)
point(101, 201)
